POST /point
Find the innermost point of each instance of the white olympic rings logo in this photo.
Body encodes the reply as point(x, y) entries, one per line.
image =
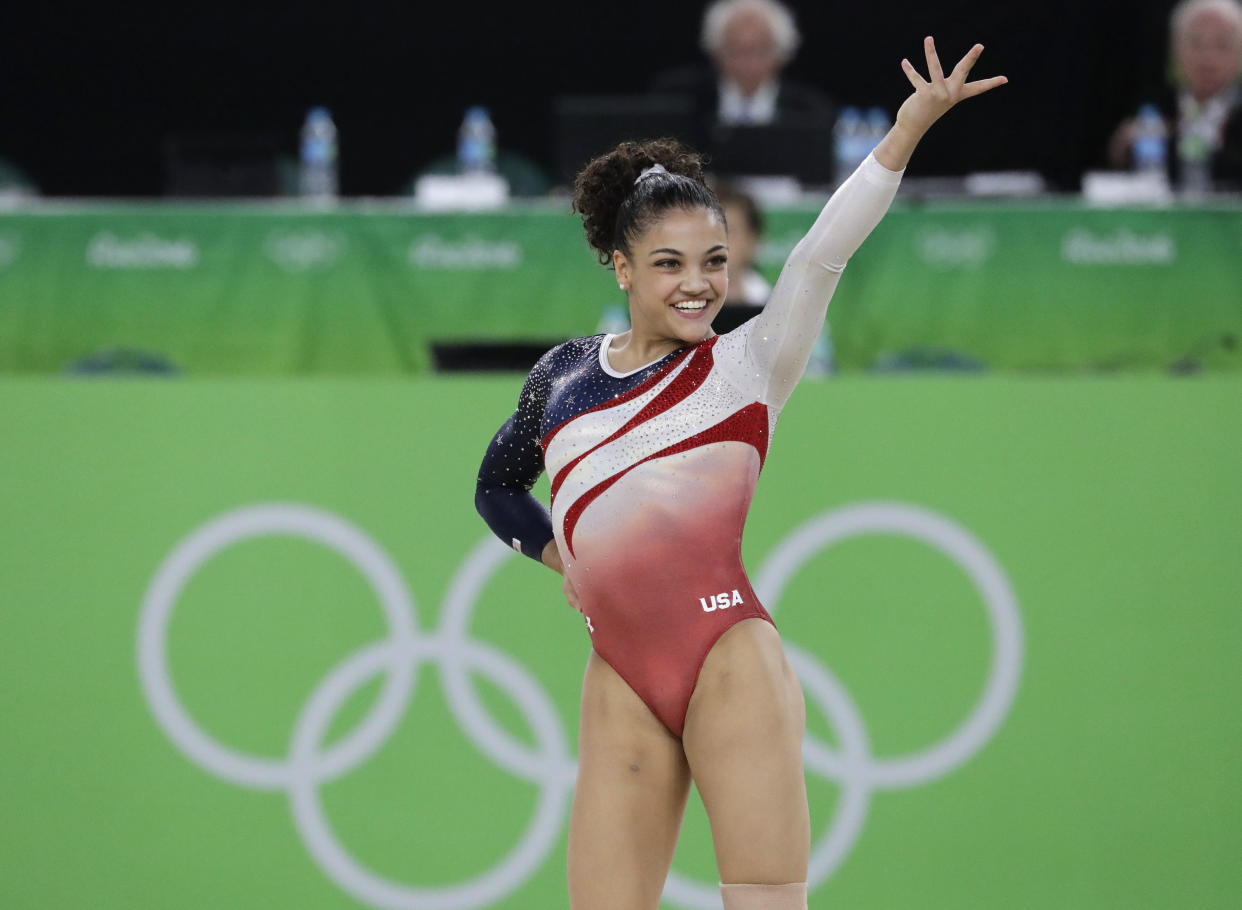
point(549, 764)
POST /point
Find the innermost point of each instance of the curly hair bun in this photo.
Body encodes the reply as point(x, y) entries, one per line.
point(615, 208)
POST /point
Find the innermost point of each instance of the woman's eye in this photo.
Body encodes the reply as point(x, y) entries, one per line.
point(667, 264)
point(718, 261)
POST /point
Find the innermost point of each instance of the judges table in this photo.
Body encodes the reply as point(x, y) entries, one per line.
point(369, 287)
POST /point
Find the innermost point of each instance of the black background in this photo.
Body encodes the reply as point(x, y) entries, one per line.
point(89, 93)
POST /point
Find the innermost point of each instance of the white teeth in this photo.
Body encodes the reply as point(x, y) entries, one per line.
point(690, 305)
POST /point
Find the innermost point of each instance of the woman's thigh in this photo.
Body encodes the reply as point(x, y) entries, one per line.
point(743, 740)
point(629, 800)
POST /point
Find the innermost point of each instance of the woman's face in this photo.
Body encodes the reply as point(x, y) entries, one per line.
point(677, 277)
point(1209, 52)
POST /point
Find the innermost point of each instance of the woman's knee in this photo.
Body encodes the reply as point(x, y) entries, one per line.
point(791, 896)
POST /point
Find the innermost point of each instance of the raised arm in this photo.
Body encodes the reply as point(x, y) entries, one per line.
point(783, 334)
point(931, 101)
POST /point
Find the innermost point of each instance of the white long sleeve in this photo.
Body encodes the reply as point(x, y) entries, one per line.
point(779, 340)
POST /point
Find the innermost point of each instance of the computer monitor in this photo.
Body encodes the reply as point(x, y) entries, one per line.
point(590, 125)
point(801, 148)
point(204, 164)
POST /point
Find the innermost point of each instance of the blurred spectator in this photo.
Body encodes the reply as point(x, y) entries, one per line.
point(1204, 109)
point(749, 43)
point(747, 287)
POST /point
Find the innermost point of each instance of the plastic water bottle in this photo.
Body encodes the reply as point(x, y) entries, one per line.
point(318, 179)
point(849, 137)
point(476, 143)
point(1151, 143)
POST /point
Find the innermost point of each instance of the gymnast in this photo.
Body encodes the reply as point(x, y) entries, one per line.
point(653, 440)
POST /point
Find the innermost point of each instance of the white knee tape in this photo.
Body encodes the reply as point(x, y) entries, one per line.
point(764, 897)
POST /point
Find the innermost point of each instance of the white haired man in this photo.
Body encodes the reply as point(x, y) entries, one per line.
point(749, 44)
point(1205, 112)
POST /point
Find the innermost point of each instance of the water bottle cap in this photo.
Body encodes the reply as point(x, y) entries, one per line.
point(319, 117)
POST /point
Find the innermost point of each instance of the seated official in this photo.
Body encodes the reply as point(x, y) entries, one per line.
point(1203, 112)
point(749, 43)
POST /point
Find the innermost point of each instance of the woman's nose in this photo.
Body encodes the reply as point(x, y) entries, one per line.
point(694, 280)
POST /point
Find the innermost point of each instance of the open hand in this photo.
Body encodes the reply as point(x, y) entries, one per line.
point(929, 102)
point(931, 99)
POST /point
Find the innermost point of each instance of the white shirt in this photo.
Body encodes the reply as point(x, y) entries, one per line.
point(1205, 120)
point(736, 108)
point(1200, 128)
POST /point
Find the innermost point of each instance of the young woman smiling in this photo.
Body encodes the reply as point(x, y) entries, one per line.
point(654, 439)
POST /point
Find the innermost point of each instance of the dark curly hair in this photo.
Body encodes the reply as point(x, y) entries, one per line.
point(615, 209)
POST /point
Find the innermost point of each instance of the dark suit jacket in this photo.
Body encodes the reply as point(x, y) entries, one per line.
point(800, 107)
point(793, 99)
point(1227, 164)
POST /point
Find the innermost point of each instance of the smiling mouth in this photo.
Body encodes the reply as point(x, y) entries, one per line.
point(690, 307)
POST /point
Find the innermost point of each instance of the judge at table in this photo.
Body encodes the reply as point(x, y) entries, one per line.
point(749, 44)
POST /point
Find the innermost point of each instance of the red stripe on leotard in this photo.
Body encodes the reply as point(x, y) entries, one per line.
point(678, 390)
point(749, 425)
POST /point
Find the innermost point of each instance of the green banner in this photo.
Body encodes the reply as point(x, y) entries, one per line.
point(368, 288)
point(258, 649)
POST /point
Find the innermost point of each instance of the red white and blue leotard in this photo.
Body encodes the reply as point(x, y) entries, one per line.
point(653, 471)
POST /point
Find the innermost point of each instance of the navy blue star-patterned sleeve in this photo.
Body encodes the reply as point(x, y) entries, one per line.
point(513, 463)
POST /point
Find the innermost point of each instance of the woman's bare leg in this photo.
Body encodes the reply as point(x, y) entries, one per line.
point(629, 801)
point(743, 740)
